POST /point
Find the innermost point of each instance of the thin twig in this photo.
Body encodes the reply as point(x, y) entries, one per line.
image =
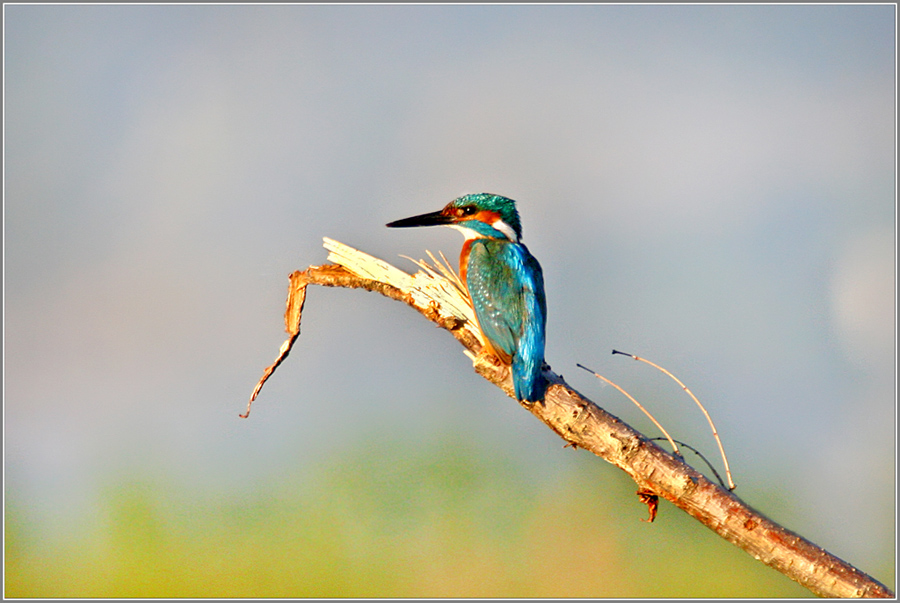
point(638, 404)
point(700, 454)
point(731, 484)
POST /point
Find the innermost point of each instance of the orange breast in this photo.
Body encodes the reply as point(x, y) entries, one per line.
point(464, 261)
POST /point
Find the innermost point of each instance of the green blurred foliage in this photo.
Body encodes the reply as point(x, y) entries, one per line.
point(446, 519)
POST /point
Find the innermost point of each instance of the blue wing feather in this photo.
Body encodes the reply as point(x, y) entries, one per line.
point(507, 289)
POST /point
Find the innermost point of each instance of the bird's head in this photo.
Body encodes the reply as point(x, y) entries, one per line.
point(478, 215)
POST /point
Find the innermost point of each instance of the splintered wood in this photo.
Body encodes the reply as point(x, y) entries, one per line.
point(434, 290)
point(435, 287)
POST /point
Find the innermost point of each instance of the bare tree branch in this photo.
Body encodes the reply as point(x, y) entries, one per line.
point(585, 425)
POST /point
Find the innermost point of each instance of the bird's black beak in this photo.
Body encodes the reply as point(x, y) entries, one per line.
point(435, 218)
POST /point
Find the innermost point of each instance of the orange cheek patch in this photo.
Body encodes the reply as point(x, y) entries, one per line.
point(487, 216)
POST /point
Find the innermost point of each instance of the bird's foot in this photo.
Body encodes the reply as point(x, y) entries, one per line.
point(487, 363)
point(485, 357)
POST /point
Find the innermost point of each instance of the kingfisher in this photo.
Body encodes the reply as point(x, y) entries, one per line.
point(504, 282)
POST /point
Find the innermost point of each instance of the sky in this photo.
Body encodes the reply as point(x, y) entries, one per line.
point(709, 187)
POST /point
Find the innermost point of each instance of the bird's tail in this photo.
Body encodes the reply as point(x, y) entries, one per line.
point(528, 380)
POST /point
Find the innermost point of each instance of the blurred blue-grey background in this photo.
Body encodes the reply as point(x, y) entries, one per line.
point(710, 187)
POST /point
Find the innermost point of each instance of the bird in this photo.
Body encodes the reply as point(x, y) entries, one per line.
point(504, 281)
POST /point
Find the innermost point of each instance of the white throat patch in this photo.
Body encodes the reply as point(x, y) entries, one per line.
point(467, 232)
point(498, 225)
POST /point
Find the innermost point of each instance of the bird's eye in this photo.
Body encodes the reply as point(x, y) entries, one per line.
point(468, 210)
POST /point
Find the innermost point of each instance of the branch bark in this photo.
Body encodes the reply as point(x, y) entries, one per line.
point(584, 424)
